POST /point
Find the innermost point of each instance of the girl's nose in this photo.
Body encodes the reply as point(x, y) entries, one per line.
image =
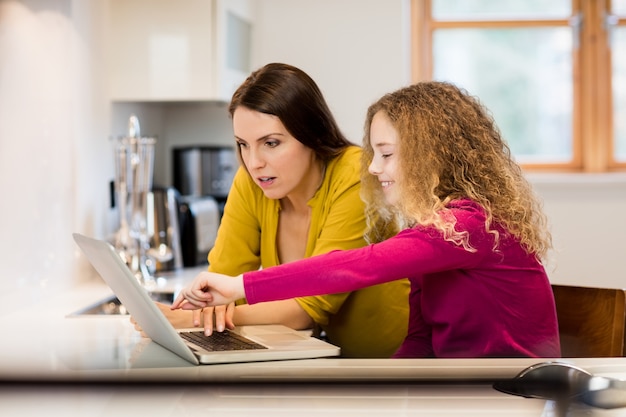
point(373, 168)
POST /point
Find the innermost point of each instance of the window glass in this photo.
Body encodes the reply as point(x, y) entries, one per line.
point(523, 75)
point(618, 41)
point(500, 9)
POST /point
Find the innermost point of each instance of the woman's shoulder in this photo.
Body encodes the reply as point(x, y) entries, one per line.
point(350, 154)
point(342, 175)
point(347, 164)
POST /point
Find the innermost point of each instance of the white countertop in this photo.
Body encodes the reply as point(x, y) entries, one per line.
point(95, 365)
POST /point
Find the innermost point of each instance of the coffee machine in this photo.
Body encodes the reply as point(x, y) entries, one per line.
point(204, 170)
point(203, 175)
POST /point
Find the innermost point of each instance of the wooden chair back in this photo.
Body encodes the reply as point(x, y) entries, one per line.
point(592, 321)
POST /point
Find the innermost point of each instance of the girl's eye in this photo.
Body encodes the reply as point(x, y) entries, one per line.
point(242, 144)
point(386, 155)
point(272, 143)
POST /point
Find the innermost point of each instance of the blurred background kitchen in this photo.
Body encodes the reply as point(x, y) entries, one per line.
point(73, 71)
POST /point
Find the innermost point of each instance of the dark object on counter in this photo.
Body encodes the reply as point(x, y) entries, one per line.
point(565, 383)
point(204, 170)
point(199, 221)
point(203, 175)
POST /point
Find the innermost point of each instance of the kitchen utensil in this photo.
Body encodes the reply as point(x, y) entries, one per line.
point(164, 229)
point(134, 162)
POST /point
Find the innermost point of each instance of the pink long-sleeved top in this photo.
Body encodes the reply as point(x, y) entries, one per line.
point(481, 303)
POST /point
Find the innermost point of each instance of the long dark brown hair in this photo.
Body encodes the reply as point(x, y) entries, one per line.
point(291, 95)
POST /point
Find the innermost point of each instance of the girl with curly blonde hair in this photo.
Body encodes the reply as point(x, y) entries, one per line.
point(448, 208)
point(449, 148)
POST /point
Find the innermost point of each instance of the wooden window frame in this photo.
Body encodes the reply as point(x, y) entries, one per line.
point(592, 117)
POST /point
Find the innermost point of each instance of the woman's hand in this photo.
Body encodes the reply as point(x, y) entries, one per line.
point(178, 318)
point(220, 318)
point(209, 289)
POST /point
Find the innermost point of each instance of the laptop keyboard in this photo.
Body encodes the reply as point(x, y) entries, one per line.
point(221, 341)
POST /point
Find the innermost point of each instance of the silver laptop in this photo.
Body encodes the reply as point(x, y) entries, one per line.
point(253, 343)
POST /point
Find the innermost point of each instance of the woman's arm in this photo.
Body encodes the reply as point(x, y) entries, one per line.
point(285, 312)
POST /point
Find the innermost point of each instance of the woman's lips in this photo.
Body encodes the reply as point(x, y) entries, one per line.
point(265, 182)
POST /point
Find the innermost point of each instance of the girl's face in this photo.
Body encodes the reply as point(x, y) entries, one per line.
point(384, 165)
point(278, 163)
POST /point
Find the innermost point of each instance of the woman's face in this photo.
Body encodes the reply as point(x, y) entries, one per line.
point(278, 163)
point(384, 141)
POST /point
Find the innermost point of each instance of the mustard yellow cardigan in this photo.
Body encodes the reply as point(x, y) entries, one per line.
point(371, 322)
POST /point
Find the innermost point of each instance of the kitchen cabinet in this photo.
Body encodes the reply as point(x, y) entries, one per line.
point(170, 50)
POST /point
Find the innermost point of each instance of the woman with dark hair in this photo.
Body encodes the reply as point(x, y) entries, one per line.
point(296, 195)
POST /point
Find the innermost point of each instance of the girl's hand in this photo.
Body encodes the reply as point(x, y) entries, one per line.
point(209, 289)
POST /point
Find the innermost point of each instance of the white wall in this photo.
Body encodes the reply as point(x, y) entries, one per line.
point(52, 138)
point(587, 213)
point(355, 50)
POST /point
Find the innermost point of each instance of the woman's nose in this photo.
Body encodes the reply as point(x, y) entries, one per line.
point(254, 159)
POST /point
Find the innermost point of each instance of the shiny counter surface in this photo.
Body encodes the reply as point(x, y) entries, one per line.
point(96, 365)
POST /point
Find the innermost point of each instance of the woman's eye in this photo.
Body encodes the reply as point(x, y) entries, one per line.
point(242, 144)
point(386, 155)
point(272, 143)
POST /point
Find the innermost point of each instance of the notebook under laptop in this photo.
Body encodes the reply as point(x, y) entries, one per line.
point(276, 342)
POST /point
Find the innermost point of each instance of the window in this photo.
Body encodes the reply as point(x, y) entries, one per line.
point(549, 71)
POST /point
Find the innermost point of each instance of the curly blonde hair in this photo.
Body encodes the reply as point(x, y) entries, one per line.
point(449, 148)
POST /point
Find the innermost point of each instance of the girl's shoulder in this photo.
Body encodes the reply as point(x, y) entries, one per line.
point(472, 217)
point(467, 213)
point(465, 205)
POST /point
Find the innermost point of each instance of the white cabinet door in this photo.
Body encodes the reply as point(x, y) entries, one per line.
point(164, 50)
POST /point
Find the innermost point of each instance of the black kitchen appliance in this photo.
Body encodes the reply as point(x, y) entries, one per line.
point(203, 175)
point(204, 170)
point(199, 220)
